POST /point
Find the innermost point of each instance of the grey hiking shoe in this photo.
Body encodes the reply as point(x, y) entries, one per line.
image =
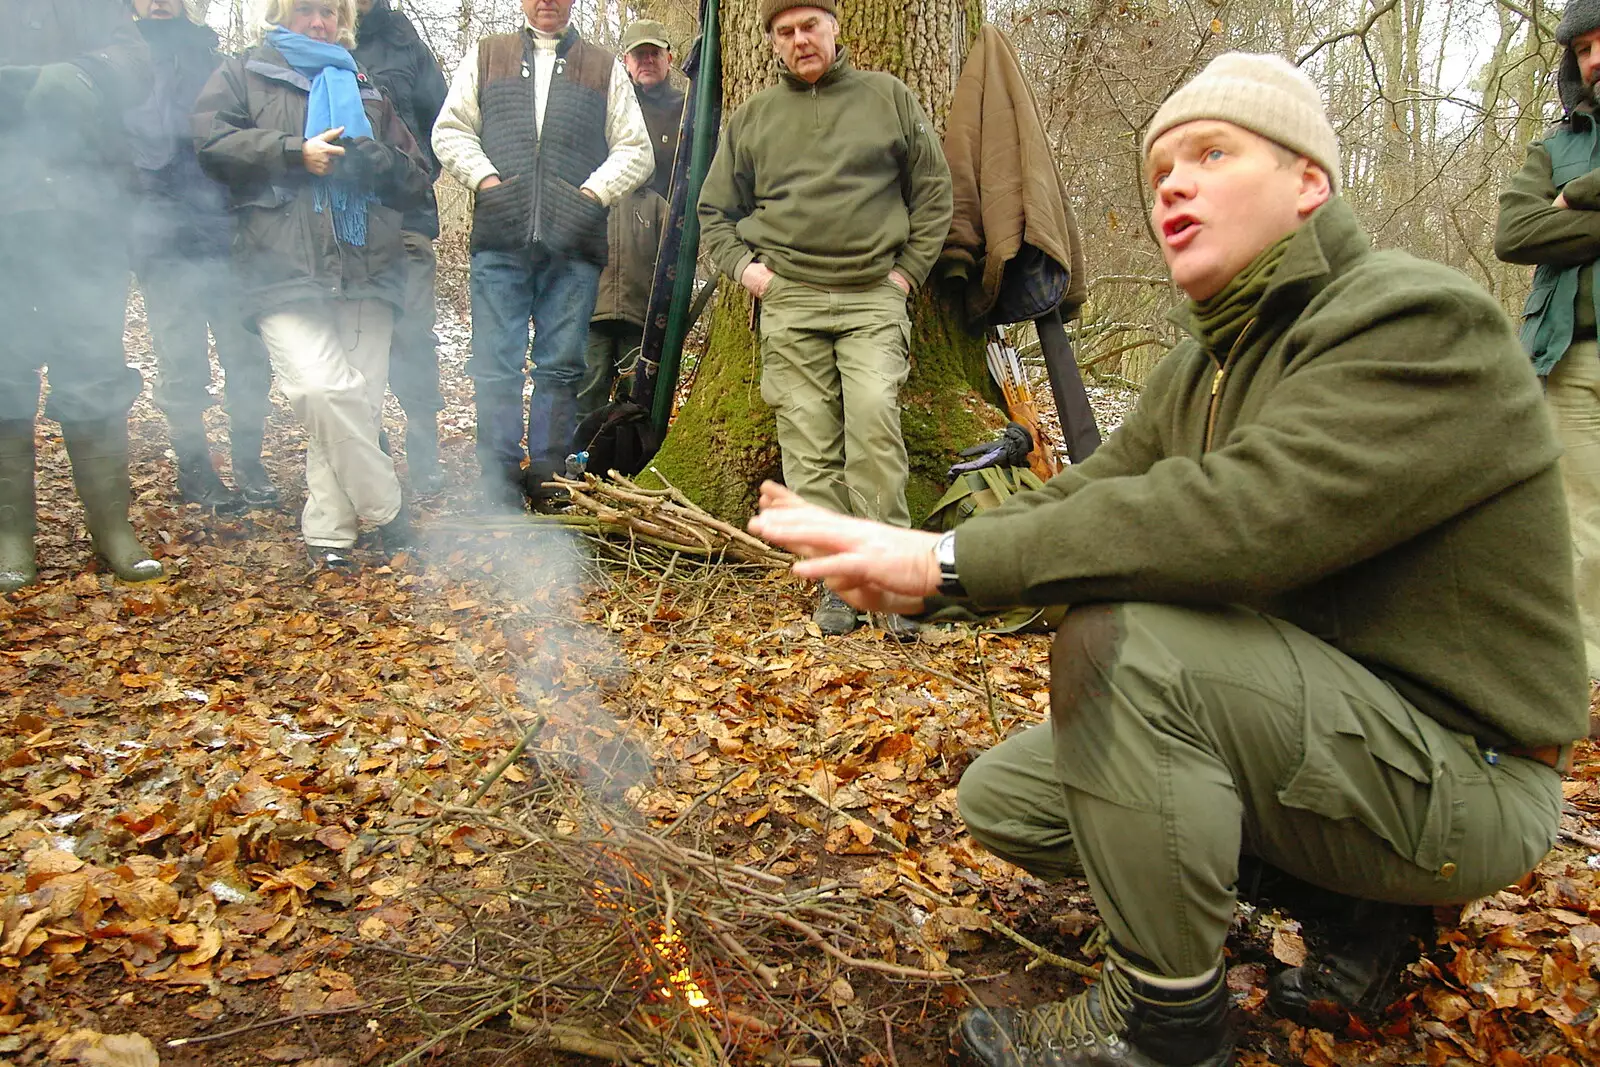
point(832, 615)
point(1120, 1021)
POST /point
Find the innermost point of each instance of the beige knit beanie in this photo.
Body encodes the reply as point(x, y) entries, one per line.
point(1265, 94)
point(771, 9)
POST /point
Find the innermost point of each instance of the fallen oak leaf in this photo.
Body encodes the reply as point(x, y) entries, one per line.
point(209, 945)
point(146, 898)
point(1446, 1004)
point(301, 876)
point(1288, 947)
point(94, 1049)
point(47, 863)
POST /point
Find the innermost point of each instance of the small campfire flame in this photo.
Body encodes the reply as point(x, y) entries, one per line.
point(675, 954)
point(667, 945)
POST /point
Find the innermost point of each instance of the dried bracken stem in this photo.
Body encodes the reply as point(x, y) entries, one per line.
point(1042, 954)
point(282, 1020)
point(721, 931)
point(1581, 839)
point(880, 966)
point(887, 840)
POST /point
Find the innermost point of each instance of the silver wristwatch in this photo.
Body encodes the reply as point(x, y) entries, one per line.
point(944, 553)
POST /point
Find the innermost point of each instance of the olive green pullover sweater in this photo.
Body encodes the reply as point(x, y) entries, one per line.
point(1375, 466)
point(831, 184)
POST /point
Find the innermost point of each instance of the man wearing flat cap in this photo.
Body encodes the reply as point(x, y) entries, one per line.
point(1323, 618)
point(1550, 219)
point(829, 200)
point(633, 231)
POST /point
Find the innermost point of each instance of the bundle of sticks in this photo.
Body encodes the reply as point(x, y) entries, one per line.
point(665, 518)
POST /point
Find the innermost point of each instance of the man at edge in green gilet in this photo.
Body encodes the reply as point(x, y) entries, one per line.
point(1323, 613)
point(1550, 220)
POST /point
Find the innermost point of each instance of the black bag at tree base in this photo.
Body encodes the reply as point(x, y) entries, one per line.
point(619, 437)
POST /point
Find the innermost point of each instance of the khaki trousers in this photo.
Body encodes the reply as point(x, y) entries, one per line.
point(1181, 737)
point(832, 365)
point(332, 363)
point(1572, 392)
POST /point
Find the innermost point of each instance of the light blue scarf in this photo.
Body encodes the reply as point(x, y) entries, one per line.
point(335, 101)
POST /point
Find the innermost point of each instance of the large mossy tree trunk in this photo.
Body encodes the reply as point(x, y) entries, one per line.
point(723, 442)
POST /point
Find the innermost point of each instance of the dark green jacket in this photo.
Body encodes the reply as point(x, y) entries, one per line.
point(249, 123)
point(1375, 467)
point(76, 169)
point(832, 184)
point(1563, 243)
point(633, 229)
point(633, 239)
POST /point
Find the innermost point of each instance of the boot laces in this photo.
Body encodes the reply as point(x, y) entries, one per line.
point(1079, 1021)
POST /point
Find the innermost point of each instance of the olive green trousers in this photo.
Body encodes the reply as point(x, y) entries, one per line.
point(1181, 737)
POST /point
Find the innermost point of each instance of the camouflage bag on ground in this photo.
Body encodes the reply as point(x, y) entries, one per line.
point(999, 472)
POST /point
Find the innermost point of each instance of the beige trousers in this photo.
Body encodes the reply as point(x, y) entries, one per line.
point(1572, 392)
point(331, 359)
point(832, 365)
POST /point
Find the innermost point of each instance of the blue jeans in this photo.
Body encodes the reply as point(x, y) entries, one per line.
point(509, 288)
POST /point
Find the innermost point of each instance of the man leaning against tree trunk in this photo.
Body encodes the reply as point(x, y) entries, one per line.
point(829, 200)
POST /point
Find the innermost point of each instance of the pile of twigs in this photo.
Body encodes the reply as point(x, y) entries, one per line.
point(665, 518)
point(645, 522)
point(610, 941)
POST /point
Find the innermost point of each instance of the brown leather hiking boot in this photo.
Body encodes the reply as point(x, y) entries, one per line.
point(1355, 965)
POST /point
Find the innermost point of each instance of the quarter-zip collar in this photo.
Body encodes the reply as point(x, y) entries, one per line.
point(841, 67)
point(1223, 318)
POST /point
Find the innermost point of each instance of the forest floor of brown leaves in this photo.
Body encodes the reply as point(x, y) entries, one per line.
point(241, 822)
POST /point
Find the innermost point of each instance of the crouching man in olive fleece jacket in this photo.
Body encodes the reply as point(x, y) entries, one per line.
point(1323, 607)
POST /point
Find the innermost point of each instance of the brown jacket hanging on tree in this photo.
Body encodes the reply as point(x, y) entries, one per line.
point(1007, 190)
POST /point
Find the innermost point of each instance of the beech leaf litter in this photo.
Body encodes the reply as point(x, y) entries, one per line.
point(532, 796)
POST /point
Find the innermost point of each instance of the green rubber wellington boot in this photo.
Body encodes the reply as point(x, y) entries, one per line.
point(17, 567)
point(99, 452)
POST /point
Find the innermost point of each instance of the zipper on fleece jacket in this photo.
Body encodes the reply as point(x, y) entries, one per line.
point(1216, 384)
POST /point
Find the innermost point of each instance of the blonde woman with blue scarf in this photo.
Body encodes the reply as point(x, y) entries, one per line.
point(319, 168)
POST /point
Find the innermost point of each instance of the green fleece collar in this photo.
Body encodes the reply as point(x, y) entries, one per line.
point(1224, 316)
point(841, 67)
point(1325, 244)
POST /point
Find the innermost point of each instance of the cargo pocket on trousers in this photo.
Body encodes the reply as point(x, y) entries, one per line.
point(1369, 763)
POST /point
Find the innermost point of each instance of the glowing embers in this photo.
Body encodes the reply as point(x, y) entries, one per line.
point(668, 962)
point(674, 955)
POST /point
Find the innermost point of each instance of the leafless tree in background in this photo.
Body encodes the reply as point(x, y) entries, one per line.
point(1434, 101)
